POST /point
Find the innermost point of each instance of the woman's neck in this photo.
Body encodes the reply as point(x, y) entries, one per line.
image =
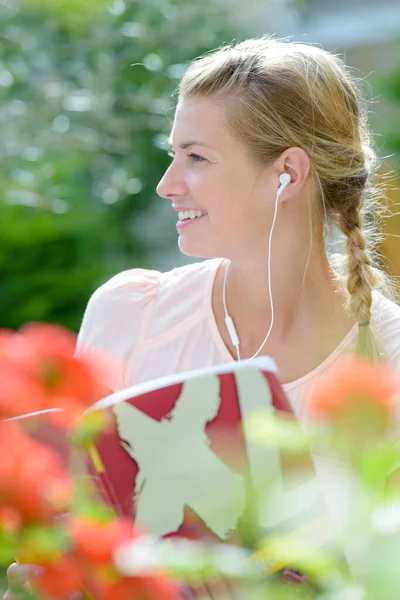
point(308, 304)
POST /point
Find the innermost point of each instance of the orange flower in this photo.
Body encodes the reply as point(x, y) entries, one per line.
point(14, 349)
point(10, 519)
point(155, 587)
point(67, 380)
point(33, 480)
point(96, 541)
point(353, 388)
point(59, 578)
point(20, 392)
point(38, 371)
point(44, 487)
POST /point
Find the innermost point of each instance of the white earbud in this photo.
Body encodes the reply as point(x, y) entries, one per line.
point(284, 180)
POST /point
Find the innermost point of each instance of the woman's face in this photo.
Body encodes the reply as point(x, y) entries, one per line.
point(213, 174)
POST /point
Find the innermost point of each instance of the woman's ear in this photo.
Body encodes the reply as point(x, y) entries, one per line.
point(295, 162)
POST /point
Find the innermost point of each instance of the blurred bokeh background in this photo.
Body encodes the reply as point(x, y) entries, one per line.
point(87, 98)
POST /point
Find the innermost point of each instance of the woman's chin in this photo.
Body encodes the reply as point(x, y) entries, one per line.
point(196, 249)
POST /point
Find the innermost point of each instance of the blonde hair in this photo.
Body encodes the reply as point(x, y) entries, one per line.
point(278, 94)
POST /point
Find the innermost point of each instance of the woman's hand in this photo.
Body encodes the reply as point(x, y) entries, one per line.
point(19, 578)
point(218, 590)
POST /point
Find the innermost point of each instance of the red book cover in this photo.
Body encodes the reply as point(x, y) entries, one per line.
point(181, 458)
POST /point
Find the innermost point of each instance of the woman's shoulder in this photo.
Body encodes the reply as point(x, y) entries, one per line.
point(132, 284)
point(116, 308)
point(122, 308)
point(385, 322)
point(184, 297)
point(188, 281)
point(141, 286)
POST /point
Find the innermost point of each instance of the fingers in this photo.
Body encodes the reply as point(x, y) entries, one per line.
point(219, 590)
point(12, 596)
point(18, 575)
point(199, 592)
point(18, 582)
point(216, 590)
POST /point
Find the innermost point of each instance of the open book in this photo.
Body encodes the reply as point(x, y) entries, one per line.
point(181, 458)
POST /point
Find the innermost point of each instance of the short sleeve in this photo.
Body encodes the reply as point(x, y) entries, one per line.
point(117, 317)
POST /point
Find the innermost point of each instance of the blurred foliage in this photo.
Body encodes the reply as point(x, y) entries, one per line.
point(85, 89)
point(388, 87)
point(72, 12)
point(86, 98)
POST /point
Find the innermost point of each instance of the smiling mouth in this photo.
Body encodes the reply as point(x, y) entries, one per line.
point(186, 215)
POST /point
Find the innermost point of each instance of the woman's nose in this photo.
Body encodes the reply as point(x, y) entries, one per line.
point(171, 185)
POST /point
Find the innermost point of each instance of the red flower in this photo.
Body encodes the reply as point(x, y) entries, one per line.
point(10, 519)
point(38, 371)
point(20, 392)
point(354, 389)
point(33, 480)
point(96, 541)
point(155, 587)
point(59, 578)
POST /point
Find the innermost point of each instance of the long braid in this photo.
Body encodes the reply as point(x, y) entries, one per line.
point(361, 280)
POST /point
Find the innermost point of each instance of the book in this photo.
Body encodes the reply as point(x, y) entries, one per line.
point(180, 459)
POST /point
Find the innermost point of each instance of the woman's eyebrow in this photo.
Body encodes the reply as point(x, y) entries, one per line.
point(186, 145)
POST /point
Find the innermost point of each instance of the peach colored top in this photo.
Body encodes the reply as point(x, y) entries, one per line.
point(157, 324)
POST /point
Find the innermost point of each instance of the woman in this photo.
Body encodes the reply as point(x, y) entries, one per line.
point(270, 150)
point(246, 116)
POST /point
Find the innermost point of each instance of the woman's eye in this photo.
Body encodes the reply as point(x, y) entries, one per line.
point(196, 158)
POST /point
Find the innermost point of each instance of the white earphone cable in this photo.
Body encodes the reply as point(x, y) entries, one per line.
point(228, 319)
point(269, 277)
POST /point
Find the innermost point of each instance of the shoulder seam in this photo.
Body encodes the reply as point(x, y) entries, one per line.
point(143, 330)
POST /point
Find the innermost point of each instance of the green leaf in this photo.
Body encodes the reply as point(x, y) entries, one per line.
point(296, 553)
point(43, 542)
point(94, 511)
point(269, 429)
point(89, 428)
point(8, 548)
point(70, 12)
point(377, 463)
